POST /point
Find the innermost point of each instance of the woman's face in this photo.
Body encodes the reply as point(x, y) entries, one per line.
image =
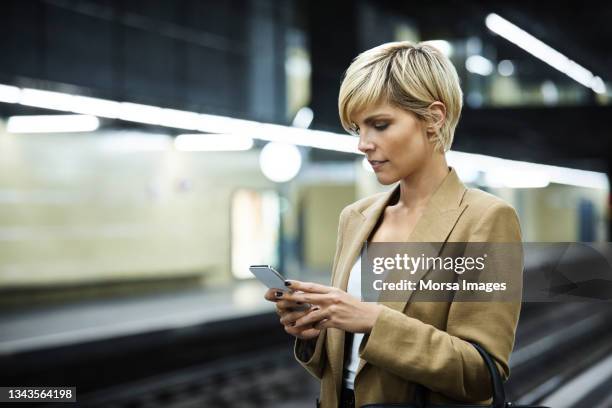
point(394, 141)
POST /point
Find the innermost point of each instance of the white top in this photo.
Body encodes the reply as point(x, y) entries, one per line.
point(352, 362)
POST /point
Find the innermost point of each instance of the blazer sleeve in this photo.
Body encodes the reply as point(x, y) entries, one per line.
point(445, 361)
point(311, 353)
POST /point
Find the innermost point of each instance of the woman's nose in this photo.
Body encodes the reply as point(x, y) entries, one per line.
point(364, 145)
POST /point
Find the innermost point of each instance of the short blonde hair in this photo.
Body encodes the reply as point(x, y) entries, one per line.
point(407, 75)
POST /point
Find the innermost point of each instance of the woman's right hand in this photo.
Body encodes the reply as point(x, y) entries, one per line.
point(288, 312)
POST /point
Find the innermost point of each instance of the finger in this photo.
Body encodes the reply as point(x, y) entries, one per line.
point(313, 298)
point(301, 332)
point(310, 287)
point(291, 317)
point(269, 295)
point(288, 305)
point(311, 318)
point(278, 311)
point(323, 324)
point(309, 334)
point(273, 294)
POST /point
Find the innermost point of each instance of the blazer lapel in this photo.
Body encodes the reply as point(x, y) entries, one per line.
point(358, 228)
point(433, 227)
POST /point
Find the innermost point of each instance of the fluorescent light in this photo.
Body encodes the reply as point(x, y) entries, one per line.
point(47, 99)
point(544, 52)
point(471, 165)
point(52, 123)
point(443, 46)
point(180, 119)
point(280, 162)
point(9, 94)
point(303, 118)
point(467, 163)
point(95, 106)
point(598, 85)
point(223, 124)
point(154, 115)
point(516, 178)
point(70, 103)
point(135, 112)
point(305, 137)
point(478, 64)
point(212, 142)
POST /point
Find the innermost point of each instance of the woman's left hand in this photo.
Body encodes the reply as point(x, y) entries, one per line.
point(337, 308)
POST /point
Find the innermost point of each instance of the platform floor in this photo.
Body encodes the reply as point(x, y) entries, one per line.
point(60, 325)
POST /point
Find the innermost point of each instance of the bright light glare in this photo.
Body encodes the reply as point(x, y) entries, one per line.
point(444, 46)
point(526, 175)
point(47, 99)
point(186, 120)
point(516, 178)
point(280, 162)
point(303, 118)
point(467, 163)
point(549, 55)
point(52, 123)
point(478, 64)
point(212, 142)
point(95, 106)
point(135, 112)
point(180, 119)
point(9, 94)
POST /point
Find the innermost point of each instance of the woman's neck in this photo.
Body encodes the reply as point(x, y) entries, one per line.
point(418, 187)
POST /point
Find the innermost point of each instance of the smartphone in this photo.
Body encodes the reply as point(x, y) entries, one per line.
point(269, 277)
point(273, 279)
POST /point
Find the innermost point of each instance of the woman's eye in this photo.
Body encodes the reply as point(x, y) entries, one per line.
point(381, 126)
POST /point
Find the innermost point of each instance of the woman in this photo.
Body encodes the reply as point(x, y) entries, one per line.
point(404, 102)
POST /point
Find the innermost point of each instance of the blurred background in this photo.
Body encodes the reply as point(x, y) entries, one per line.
point(151, 150)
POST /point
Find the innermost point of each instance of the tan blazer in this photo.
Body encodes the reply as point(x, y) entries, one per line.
point(422, 342)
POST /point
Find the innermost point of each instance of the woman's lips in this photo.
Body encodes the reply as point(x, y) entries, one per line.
point(377, 164)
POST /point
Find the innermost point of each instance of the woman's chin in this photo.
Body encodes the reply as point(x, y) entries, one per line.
point(384, 179)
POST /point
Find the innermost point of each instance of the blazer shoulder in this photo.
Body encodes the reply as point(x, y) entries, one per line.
point(490, 218)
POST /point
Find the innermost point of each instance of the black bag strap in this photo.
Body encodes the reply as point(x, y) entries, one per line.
point(499, 395)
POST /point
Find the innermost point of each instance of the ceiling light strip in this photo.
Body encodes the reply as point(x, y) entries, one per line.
point(544, 52)
point(186, 120)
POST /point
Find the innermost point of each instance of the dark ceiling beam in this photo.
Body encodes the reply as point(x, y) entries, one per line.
point(333, 45)
point(554, 135)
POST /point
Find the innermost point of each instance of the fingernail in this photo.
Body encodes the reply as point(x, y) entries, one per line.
point(279, 294)
point(287, 283)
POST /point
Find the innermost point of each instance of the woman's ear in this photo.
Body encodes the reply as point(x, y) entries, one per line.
point(438, 115)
